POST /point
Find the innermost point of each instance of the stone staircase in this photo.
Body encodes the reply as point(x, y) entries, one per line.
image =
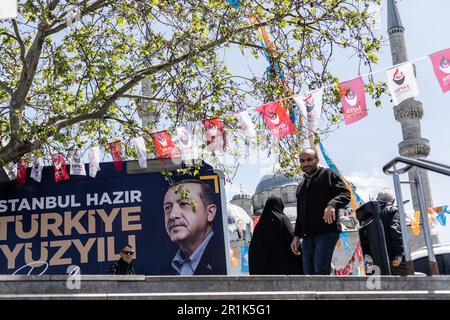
point(105, 287)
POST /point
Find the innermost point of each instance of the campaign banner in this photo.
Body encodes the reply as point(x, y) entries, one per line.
point(77, 167)
point(11, 170)
point(276, 119)
point(215, 135)
point(246, 124)
point(116, 152)
point(244, 259)
point(441, 67)
point(141, 150)
point(22, 171)
point(36, 169)
point(164, 146)
point(84, 222)
point(402, 83)
point(310, 105)
point(186, 144)
point(94, 161)
point(59, 167)
point(353, 100)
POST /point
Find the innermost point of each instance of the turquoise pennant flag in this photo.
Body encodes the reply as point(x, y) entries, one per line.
point(441, 218)
point(234, 3)
point(333, 167)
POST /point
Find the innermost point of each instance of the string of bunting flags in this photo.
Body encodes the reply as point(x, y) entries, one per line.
point(401, 82)
point(434, 214)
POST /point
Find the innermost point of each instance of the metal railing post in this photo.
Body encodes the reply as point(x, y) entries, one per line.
point(426, 226)
point(404, 228)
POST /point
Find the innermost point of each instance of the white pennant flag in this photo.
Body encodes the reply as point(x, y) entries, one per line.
point(246, 124)
point(94, 161)
point(36, 169)
point(310, 105)
point(185, 144)
point(11, 170)
point(373, 20)
point(402, 83)
point(8, 9)
point(76, 164)
point(73, 16)
point(139, 146)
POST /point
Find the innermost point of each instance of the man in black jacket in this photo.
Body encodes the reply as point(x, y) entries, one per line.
point(125, 263)
point(392, 231)
point(320, 195)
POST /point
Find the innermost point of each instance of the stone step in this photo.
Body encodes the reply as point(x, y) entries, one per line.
point(224, 287)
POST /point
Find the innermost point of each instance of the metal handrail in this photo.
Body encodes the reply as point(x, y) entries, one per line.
point(391, 169)
point(424, 164)
point(435, 163)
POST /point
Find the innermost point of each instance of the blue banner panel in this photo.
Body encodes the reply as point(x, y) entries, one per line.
point(47, 227)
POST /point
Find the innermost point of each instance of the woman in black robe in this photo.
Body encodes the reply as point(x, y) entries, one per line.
point(270, 251)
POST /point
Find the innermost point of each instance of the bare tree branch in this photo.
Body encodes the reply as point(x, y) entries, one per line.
point(96, 5)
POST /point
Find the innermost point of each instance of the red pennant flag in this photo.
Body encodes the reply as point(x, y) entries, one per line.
point(276, 119)
point(358, 252)
point(59, 167)
point(215, 135)
point(441, 66)
point(353, 99)
point(116, 151)
point(164, 146)
point(22, 171)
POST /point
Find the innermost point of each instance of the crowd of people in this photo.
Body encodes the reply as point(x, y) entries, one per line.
point(276, 244)
point(276, 247)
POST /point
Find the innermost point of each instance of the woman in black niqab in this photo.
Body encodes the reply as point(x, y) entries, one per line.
point(269, 251)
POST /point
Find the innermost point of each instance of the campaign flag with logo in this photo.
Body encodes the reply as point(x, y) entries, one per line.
point(215, 135)
point(36, 169)
point(22, 171)
point(59, 167)
point(246, 124)
point(11, 170)
point(310, 105)
point(402, 83)
point(94, 161)
point(139, 146)
point(8, 9)
point(353, 99)
point(244, 259)
point(441, 66)
point(185, 143)
point(276, 119)
point(164, 146)
point(116, 152)
point(76, 164)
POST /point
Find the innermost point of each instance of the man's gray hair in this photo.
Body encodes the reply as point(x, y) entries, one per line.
point(386, 195)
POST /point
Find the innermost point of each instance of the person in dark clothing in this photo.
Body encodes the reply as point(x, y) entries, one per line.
point(392, 231)
point(319, 196)
point(269, 251)
point(125, 263)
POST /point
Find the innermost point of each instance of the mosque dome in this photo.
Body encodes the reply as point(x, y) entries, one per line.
point(241, 196)
point(270, 182)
